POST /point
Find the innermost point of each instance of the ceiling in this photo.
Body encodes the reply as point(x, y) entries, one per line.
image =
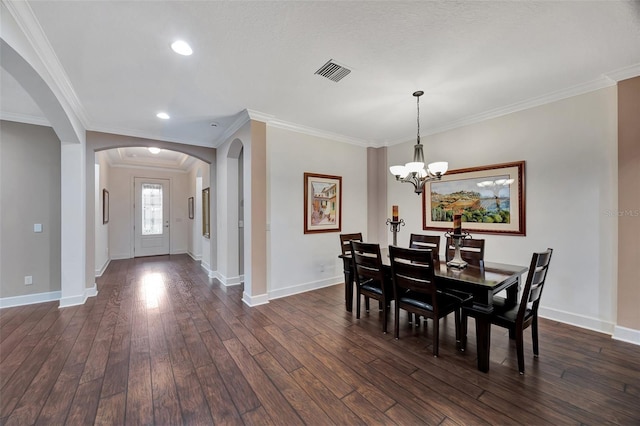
point(474, 60)
point(139, 157)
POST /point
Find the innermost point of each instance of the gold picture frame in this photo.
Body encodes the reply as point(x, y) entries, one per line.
point(490, 198)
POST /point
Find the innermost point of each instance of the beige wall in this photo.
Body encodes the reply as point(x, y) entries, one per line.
point(101, 229)
point(377, 214)
point(570, 149)
point(297, 261)
point(628, 203)
point(258, 207)
point(29, 194)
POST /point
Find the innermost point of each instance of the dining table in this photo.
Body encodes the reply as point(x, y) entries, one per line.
point(481, 282)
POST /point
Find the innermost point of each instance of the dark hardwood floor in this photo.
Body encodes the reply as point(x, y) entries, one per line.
point(162, 344)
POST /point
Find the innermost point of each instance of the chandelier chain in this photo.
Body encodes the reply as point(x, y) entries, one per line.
point(418, 102)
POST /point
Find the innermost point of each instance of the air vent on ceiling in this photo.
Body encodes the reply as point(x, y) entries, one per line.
point(333, 71)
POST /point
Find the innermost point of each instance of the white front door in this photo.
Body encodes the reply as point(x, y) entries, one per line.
point(151, 212)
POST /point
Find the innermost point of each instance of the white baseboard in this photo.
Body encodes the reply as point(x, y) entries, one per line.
point(178, 252)
point(29, 299)
point(196, 257)
point(120, 256)
point(100, 271)
point(628, 335)
point(91, 291)
point(228, 281)
point(66, 302)
point(207, 268)
point(301, 288)
point(251, 301)
point(582, 321)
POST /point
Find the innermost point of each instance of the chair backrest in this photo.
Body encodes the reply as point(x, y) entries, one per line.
point(428, 242)
point(471, 251)
point(368, 263)
point(412, 269)
point(345, 241)
point(534, 284)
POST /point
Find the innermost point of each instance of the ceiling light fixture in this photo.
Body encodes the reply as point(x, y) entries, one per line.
point(181, 48)
point(163, 115)
point(414, 172)
point(154, 150)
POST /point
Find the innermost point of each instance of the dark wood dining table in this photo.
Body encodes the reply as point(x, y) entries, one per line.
point(483, 283)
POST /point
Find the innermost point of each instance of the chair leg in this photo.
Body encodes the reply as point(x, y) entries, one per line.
point(366, 303)
point(397, 319)
point(358, 297)
point(384, 317)
point(436, 337)
point(410, 317)
point(520, 349)
point(534, 336)
point(458, 327)
point(463, 331)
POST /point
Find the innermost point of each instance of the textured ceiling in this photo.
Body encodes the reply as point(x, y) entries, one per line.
point(472, 59)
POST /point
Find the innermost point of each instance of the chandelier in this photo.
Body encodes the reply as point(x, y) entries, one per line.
point(414, 172)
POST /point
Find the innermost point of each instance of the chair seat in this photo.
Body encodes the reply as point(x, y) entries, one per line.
point(372, 287)
point(446, 302)
point(509, 316)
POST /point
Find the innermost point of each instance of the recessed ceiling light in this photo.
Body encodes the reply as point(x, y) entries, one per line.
point(163, 115)
point(154, 150)
point(181, 48)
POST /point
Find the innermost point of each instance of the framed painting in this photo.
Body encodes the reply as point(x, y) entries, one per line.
point(105, 206)
point(322, 203)
point(491, 200)
point(190, 207)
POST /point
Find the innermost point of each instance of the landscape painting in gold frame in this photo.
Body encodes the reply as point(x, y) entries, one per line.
point(491, 200)
point(322, 203)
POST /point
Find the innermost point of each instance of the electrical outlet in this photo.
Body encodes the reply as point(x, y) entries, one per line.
point(28, 280)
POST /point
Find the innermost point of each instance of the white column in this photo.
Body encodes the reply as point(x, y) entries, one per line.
point(73, 226)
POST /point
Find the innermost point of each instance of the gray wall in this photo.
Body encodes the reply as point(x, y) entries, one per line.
point(29, 194)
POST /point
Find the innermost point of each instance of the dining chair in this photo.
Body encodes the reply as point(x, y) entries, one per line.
point(414, 287)
point(471, 251)
point(424, 242)
point(371, 279)
point(420, 241)
point(345, 241)
point(517, 319)
point(347, 266)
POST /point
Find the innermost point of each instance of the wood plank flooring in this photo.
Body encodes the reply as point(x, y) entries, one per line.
point(163, 344)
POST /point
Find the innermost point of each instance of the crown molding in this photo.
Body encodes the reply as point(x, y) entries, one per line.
point(150, 167)
point(624, 73)
point(24, 118)
point(25, 18)
point(242, 118)
point(580, 89)
point(259, 116)
point(280, 124)
point(246, 115)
